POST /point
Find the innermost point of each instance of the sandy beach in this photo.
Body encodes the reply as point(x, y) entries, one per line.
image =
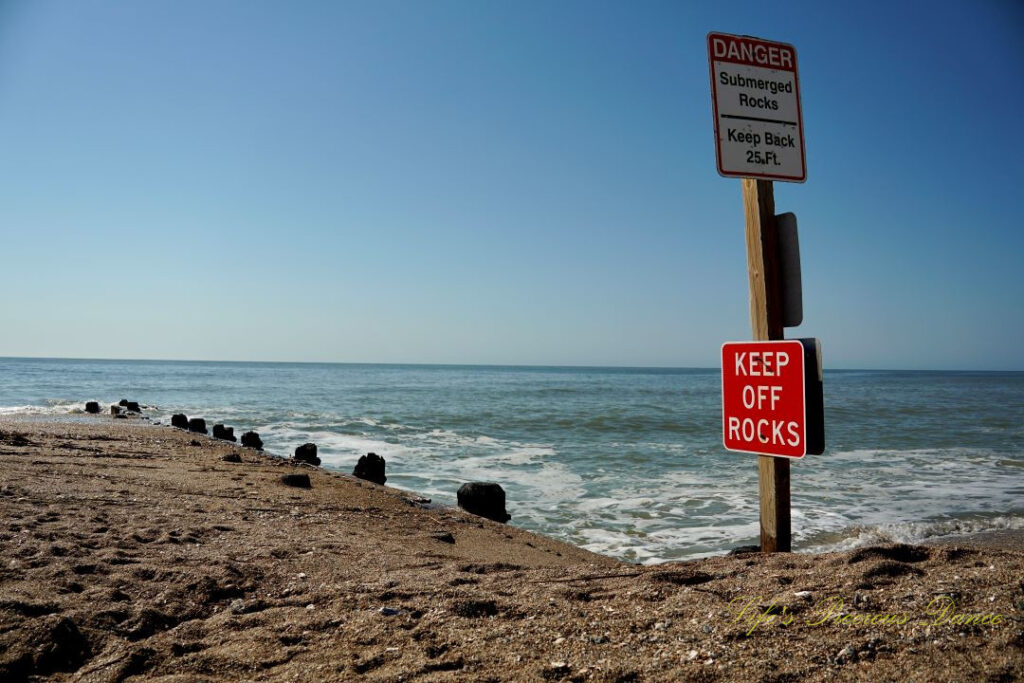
point(135, 551)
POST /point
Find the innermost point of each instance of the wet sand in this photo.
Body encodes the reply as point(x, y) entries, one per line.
point(132, 551)
point(1001, 539)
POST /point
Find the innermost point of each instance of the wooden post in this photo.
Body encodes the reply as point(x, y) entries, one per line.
point(766, 323)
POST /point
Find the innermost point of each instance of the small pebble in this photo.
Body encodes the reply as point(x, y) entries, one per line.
point(389, 611)
point(846, 653)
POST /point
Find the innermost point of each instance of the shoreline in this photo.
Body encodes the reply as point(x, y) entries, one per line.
point(995, 536)
point(134, 550)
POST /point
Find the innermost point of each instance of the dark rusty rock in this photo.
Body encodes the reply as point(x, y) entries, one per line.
point(484, 499)
point(307, 453)
point(252, 440)
point(222, 432)
point(371, 468)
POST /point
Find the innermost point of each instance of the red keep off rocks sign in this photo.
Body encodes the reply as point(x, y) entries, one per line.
point(771, 399)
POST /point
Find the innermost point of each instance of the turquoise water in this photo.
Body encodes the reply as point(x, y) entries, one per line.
point(622, 461)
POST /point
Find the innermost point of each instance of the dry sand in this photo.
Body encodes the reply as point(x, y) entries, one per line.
point(134, 551)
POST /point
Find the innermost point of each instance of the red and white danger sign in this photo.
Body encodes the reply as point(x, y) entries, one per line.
point(770, 406)
point(755, 92)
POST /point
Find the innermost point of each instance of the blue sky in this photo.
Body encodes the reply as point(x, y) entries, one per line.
point(497, 182)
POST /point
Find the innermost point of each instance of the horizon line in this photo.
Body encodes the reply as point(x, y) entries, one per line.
point(469, 365)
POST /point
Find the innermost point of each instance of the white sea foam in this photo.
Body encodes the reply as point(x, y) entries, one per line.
point(911, 532)
point(840, 501)
point(436, 462)
point(53, 407)
point(334, 449)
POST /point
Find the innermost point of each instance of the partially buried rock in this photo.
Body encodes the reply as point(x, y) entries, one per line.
point(62, 647)
point(92, 407)
point(132, 407)
point(232, 457)
point(43, 647)
point(371, 468)
point(180, 421)
point(222, 432)
point(307, 453)
point(197, 424)
point(252, 440)
point(739, 550)
point(116, 411)
point(484, 499)
point(300, 481)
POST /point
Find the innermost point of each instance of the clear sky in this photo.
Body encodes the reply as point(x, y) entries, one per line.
point(495, 181)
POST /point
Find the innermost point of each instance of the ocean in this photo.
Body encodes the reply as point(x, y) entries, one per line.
point(622, 461)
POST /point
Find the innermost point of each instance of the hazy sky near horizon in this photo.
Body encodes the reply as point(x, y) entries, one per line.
point(497, 182)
